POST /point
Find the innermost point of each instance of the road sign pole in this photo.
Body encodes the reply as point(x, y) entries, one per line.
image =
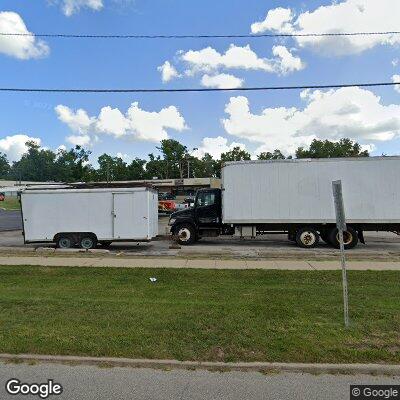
point(341, 226)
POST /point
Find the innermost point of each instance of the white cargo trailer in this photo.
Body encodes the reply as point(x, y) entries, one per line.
point(87, 216)
point(295, 197)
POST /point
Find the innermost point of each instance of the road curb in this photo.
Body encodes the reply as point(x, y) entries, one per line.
point(368, 369)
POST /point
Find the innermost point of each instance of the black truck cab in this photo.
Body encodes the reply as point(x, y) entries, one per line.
point(203, 219)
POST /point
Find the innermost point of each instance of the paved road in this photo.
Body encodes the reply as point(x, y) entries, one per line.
point(379, 245)
point(94, 383)
point(10, 220)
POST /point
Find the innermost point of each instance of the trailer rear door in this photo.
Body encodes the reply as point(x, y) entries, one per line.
point(130, 215)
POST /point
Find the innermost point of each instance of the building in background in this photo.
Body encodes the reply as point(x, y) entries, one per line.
point(177, 187)
point(181, 187)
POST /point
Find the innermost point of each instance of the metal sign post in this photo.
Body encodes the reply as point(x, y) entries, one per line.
point(341, 226)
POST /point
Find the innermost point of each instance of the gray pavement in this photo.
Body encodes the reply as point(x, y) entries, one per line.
point(10, 220)
point(163, 262)
point(382, 245)
point(91, 382)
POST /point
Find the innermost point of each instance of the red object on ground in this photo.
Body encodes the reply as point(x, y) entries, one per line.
point(2, 197)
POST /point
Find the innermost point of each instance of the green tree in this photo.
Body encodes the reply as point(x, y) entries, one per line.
point(4, 166)
point(136, 169)
point(35, 165)
point(175, 155)
point(73, 165)
point(327, 149)
point(276, 155)
point(112, 169)
point(236, 154)
point(157, 167)
point(205, 167)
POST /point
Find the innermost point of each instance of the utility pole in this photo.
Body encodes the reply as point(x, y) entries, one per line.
point(341, 226)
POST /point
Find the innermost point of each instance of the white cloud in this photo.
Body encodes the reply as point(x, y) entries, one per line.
point(287, 61)
point(215, 147)
point(236, 57)
point(395, 62)
point(343, 16)
point(168, 72)
point(278, 19)
point(221, 81)
point(79, 140)
point(348, 112)
point(136, 123)
point(396, 78)
point(124, 157)
point(78, 121)
point(22, 47)
point(71, 7)
point(15, 146)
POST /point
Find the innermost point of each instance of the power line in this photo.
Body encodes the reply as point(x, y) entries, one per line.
point(158, 90)
point(226, 36)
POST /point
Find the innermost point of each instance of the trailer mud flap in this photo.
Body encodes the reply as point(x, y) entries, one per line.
point(361, 237)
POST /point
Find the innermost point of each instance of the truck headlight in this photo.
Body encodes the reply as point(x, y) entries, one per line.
point(171, 221)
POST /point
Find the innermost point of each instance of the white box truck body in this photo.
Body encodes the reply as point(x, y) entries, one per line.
point(300, 191)
point(296, 197)
point(108, 214)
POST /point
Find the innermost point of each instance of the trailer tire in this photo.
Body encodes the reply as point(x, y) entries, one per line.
point(350, 238)
point(64, 242)
point(185, 234)
point(307, 238)
point(87, 242)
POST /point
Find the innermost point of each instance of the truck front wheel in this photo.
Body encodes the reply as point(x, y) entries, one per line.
point(307, 238)
point(185, 234)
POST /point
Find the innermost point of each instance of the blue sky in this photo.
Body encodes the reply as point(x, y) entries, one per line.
point(288, 120)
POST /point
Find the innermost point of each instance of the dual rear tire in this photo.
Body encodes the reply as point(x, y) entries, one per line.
point(308, 237)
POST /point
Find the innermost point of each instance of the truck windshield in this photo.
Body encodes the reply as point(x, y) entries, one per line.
point(205, 199)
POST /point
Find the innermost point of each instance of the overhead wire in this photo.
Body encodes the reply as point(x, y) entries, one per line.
point(200, 36)
point(183, 90)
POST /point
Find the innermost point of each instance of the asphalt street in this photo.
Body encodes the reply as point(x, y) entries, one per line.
point(94, 383)
point(10, 220)
point(379, 245)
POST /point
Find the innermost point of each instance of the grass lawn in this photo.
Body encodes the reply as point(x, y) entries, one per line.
point(10, 203)
point(288, 316)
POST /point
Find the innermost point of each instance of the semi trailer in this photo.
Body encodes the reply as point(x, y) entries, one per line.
point(85, 216)
point(295, 197)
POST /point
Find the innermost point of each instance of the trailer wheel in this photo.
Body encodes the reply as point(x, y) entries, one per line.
point(87, 242)
point(185, 234)
point(307, 237)
point(64, 242)
point(350, 238)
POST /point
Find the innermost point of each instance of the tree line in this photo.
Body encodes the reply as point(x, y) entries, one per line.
point(173, 162)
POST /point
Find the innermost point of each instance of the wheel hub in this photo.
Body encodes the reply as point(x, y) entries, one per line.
point(184, 234)
point(347, 238)
point(87, 243)
point(308, 238)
